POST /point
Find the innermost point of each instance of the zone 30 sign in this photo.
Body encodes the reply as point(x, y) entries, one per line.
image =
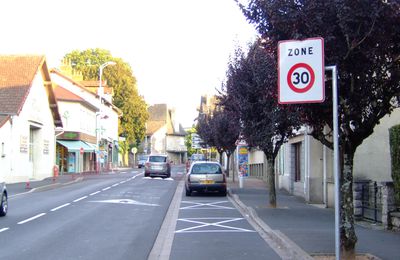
point(301, 71)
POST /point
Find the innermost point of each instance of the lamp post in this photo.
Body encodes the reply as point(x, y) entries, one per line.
point(100, 93)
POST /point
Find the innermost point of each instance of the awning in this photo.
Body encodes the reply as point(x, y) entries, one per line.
point(76, 145)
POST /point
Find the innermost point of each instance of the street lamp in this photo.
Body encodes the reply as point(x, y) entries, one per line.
point(100, 93)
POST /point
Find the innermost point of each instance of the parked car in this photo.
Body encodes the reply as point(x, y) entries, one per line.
point(205, 176)
point(142, 159)
point(157, 166)
point(4, 200)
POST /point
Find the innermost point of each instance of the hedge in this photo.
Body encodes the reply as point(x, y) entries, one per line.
point(394, 137)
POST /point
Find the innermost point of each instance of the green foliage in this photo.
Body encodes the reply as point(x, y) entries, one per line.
point(188, 141)
point(394, 136)
point(120, 77)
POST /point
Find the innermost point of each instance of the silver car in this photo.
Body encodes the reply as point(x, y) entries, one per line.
point(157, 166)
point(205, 177)
point(4, 200)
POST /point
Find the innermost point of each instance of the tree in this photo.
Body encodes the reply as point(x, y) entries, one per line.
point(220, 129)
point(188, 141)
point(126, 96)
point(251, 91)
point(362, 39)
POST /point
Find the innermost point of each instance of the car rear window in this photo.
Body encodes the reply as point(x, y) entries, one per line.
point(206, 169)
point(157, 159)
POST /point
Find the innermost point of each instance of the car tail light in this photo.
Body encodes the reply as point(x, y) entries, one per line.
point(224, 179)
point(188, 177)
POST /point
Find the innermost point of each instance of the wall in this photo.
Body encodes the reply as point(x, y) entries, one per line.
point(372, 159)
point(35, 113)
point(158, 140)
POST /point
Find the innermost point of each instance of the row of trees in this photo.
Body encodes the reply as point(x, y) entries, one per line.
point(126, 96)
point(360, 37)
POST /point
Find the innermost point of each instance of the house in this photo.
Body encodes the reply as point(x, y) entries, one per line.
point(89, 124)
point(29, 118)
point(164, 135)
point(304, 167)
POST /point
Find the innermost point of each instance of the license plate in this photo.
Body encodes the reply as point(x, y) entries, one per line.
point(157, 167)
point(207, 182)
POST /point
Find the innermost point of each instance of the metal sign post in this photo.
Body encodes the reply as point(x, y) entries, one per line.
point(301, 79)
point(336, 157)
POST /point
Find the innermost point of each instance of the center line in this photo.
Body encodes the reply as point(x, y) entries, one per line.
point(82, 198)
point(106, 188)
point(115, 185)
point(32, 218)
point(62, 206)
point(4, 229)
point(94, 193)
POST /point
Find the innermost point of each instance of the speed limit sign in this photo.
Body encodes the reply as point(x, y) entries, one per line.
point(301, 71)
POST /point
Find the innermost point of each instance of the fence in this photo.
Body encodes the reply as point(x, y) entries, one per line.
point(368, 201)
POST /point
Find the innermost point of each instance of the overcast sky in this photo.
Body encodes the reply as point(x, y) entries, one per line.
point(178, 49)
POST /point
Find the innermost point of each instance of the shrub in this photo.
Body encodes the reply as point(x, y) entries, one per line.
point(394, 137)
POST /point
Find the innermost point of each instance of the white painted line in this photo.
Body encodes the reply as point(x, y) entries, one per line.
point(115, 185)
point(60, 207)
point(202, 224)
point(106, 188)
point(4, 229)
point(94, 193)
point(30, 219)
point(82, 198)
point(200, 205)
point(122, 182)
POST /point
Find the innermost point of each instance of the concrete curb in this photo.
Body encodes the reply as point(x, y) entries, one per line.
point(162, 247)
point(48, 187)
point(282, 245)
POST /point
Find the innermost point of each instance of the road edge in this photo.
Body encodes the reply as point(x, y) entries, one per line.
point(162, 247)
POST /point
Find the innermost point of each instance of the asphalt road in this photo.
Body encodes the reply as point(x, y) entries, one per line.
point(103, 217)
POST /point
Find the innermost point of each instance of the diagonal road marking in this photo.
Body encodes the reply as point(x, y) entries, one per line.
point(201, 224)
point(210, 205)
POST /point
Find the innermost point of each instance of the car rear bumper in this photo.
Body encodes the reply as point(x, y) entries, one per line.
point(207, 187)
point(156, 174)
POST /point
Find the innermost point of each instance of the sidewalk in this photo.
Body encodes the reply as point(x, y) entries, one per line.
point(310, 227)
point(14, 189)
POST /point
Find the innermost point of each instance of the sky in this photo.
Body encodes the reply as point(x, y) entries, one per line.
point(178, 49)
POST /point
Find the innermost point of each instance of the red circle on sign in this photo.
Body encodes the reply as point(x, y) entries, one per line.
point(81, 150)
point(309, 85)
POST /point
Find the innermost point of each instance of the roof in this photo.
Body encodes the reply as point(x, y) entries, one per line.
point(81, 86)
point(159, 116)
point(16, 76)
point(63, 94)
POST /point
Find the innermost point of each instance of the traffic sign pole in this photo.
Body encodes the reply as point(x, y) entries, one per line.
point(336, 157)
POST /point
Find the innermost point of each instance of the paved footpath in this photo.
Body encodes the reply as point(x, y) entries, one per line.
point(307, 229)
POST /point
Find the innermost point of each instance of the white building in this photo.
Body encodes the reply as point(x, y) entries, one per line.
point(28, 119)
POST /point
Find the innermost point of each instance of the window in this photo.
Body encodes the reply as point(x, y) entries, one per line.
point(157, 159)
point(297, 161)
point(206, 169)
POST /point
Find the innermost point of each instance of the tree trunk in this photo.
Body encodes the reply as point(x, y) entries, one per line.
point(228, 165)
point(220, 157)
point(348, 236)
point(271, 182)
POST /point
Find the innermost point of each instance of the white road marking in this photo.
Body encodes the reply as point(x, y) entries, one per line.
point(94, 193)
point(122, 182)
point(4, 229)
point(82, 198)
point(202, 224)
point(32, 218)
point(106, 188)
point(126, 201)
point(115, 185)
point(60, 207)
point(211, 205)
